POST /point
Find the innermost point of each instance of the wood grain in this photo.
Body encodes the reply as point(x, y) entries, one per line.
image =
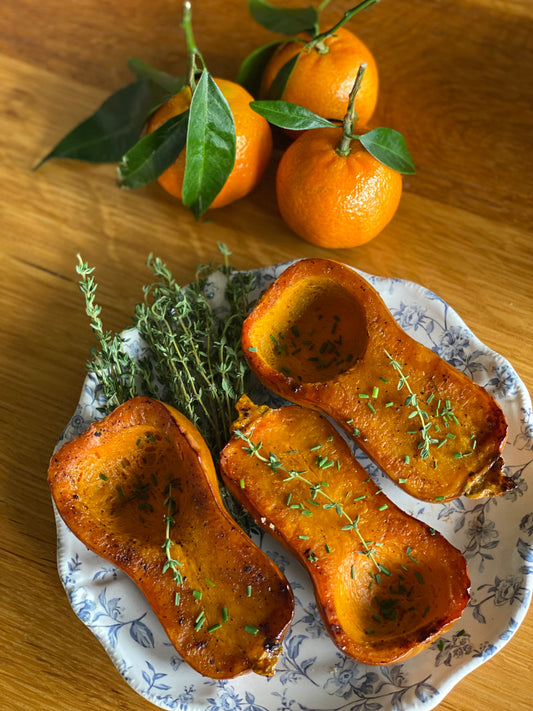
point(455, 79)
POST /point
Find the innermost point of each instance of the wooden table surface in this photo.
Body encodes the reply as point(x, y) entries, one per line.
point(455, 80)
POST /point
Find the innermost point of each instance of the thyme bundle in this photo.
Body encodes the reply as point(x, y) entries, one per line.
point(194, 360)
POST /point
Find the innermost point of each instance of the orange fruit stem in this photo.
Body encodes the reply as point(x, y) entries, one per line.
point(343, 149)
point(192, 48)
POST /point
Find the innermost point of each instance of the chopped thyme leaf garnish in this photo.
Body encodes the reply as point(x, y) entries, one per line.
point(408, 552)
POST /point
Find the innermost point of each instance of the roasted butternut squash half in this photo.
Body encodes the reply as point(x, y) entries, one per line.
point(386, 584)
point(322, 337)
point(139, 489)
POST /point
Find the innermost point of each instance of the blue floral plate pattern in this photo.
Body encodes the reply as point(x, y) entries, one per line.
point(495, 535)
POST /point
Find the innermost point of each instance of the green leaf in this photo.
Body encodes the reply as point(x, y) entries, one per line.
point(276, 89)
point(154, 153)
point(114, 128)
point(143, 70)
point(388, 146)
point(285, 20)
point(253, 66)
point(287, 115)
point(211, 145)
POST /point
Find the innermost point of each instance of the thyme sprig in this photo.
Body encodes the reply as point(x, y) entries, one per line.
point(194, 361)
point(443, 412)
point(171, 563)
point(196, 355)
point(114, 367)
point(412, 401)
point(253, 449)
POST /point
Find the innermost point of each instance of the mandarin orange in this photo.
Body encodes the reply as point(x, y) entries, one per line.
point(333, 200)
point(323, 76)
point(253, 143)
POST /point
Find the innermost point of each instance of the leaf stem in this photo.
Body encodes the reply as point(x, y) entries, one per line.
point(319, 39)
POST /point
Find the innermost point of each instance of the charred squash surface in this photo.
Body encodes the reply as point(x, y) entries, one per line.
point(322, 337)
point(140, 490)
point(386, 584)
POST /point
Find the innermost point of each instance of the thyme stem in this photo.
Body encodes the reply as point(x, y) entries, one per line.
point(412, 400)
point(316, 488)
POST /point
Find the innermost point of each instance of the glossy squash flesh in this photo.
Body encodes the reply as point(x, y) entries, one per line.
point(140, 490)
point(386, 584)
point(322, 337)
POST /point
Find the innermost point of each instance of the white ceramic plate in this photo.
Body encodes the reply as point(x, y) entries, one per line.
point(495, 535)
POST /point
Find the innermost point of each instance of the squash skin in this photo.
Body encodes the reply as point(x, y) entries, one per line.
point(334, 300)
point(128, 529)
point(427, 577)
